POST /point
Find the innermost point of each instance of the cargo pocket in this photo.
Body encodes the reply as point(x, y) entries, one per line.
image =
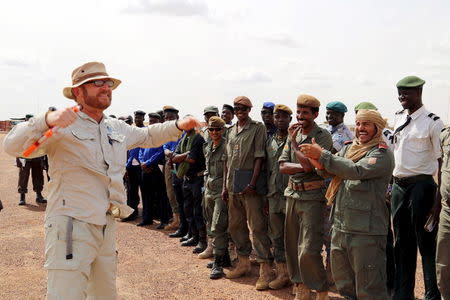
point(55, 246)
point(372, 276)
point(357, 211)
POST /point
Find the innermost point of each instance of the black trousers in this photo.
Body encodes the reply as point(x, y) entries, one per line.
point(154, 198)
point(178, 188)
point(134, 184)
point(37, 174)
point(192, 192)
point(410, 206)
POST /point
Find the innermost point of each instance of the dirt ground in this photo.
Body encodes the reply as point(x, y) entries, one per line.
point(151, 265)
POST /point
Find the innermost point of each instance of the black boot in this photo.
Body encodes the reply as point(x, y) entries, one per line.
point(131, 217)
point(226, 261)
point(190, 242)
point(217, 269)
point(202, 242)
point(40, 198)
point(179, 233)
point(186, 237)
point(22, 199)
point(210, 264)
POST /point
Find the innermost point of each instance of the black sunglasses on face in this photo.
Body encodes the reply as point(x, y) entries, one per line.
point(211, 129)
point(101, 82)
point(240, 108)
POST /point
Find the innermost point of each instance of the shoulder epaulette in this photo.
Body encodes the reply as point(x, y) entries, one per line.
point(399, 112)
point(433, 116)
point(445, 128)
point(386, 132)
point(348, 142)
point(383, 145)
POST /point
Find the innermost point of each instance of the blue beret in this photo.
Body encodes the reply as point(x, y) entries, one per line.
point(337, 106)
point(270, 105)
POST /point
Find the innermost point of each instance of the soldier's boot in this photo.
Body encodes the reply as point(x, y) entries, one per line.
point(226, 260)
point(202, 244)
point(322, 296)
point(40, 198)
point(265, 272)
point(302, 292)
point(208, 251)
point(175, 222)
point(282, 277)
point(217, 269)
point(243, 267)
point(232, 251)
point(22, 199)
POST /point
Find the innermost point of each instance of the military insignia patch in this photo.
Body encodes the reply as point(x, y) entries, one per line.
point(372, 160)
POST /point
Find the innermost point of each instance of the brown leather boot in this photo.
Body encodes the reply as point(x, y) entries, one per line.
point(174, 224)
point(208, 252)
point(302, 292)
point(322, 296)
point(243, 267)
point(282, 277)
point(265, 272)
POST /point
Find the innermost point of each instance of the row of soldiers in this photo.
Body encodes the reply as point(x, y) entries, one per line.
point(275, 181)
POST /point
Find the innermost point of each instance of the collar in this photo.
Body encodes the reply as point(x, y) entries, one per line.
point(84, 116)
point(338, 126)
point(314, 130)
point(418, 112)
point(246, 126)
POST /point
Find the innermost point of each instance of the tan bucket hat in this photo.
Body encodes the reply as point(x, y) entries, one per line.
point(87, 72)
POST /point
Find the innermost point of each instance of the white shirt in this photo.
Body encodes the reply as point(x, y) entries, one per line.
point(417, 147)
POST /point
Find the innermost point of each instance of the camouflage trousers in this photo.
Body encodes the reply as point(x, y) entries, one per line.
point(443, 251)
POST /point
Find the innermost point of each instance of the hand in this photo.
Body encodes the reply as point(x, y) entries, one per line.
point(248, 191)
point(312, 151)
point(293, 132)
point(62, 117)
point(225, 195)
point(436, 208)
point(188, 123)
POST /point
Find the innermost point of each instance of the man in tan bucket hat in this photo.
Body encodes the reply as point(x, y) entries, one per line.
point(87, 158)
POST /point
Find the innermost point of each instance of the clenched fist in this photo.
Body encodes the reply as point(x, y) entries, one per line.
point(62, 117)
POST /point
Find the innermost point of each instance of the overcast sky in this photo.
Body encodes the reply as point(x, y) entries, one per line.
point(191, 54)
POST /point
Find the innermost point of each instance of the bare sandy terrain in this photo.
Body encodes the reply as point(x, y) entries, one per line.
point(151, 265)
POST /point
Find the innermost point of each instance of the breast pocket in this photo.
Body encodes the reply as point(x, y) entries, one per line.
point(358, 205)
point(419, 143)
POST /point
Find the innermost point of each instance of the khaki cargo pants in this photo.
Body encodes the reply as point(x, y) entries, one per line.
point(90, 273)
point(443, 252)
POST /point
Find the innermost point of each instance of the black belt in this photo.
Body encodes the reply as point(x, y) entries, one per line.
point(405, 181)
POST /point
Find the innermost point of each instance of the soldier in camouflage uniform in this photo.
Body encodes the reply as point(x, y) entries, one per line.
point(443, 238)
point(215, 209)
point(305, 207)
point(276, 185)
point(361, 172)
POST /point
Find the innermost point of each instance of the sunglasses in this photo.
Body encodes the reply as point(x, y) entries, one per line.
point(240, 108)
point(211, 129)
point(100, 82)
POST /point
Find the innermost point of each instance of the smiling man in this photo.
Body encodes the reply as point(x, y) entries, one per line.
point(415, 196)
point(87, 158)
point(361, 172)
point(305, 203)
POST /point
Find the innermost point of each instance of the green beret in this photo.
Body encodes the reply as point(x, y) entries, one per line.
point(282, 107)
point(337, 106)
point(410, 82)
point(216, 121)
point(211, 109)
point(365, 105)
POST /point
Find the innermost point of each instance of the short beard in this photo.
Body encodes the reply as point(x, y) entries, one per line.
point(92, 101)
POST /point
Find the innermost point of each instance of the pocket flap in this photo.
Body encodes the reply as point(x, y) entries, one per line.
point(82, 135)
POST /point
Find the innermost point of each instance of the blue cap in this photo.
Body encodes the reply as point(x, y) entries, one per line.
point(270, 105)
point(337, 106)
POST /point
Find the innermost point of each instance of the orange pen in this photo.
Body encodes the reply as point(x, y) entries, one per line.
point(45, 137)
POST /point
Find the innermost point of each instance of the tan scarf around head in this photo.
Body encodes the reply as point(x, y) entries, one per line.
point(358, 150)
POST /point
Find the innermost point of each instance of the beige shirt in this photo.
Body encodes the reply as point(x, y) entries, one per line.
point(417, 147)
point(87, 162)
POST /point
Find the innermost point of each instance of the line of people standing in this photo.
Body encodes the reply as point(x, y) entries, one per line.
point(271, 182)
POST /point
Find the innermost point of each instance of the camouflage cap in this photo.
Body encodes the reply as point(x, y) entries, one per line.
point(211, 109)
point(216, 121)
point(243, 101)
point(307, 100)
point(365, 105)
point(282, 107)
point(410, 82)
